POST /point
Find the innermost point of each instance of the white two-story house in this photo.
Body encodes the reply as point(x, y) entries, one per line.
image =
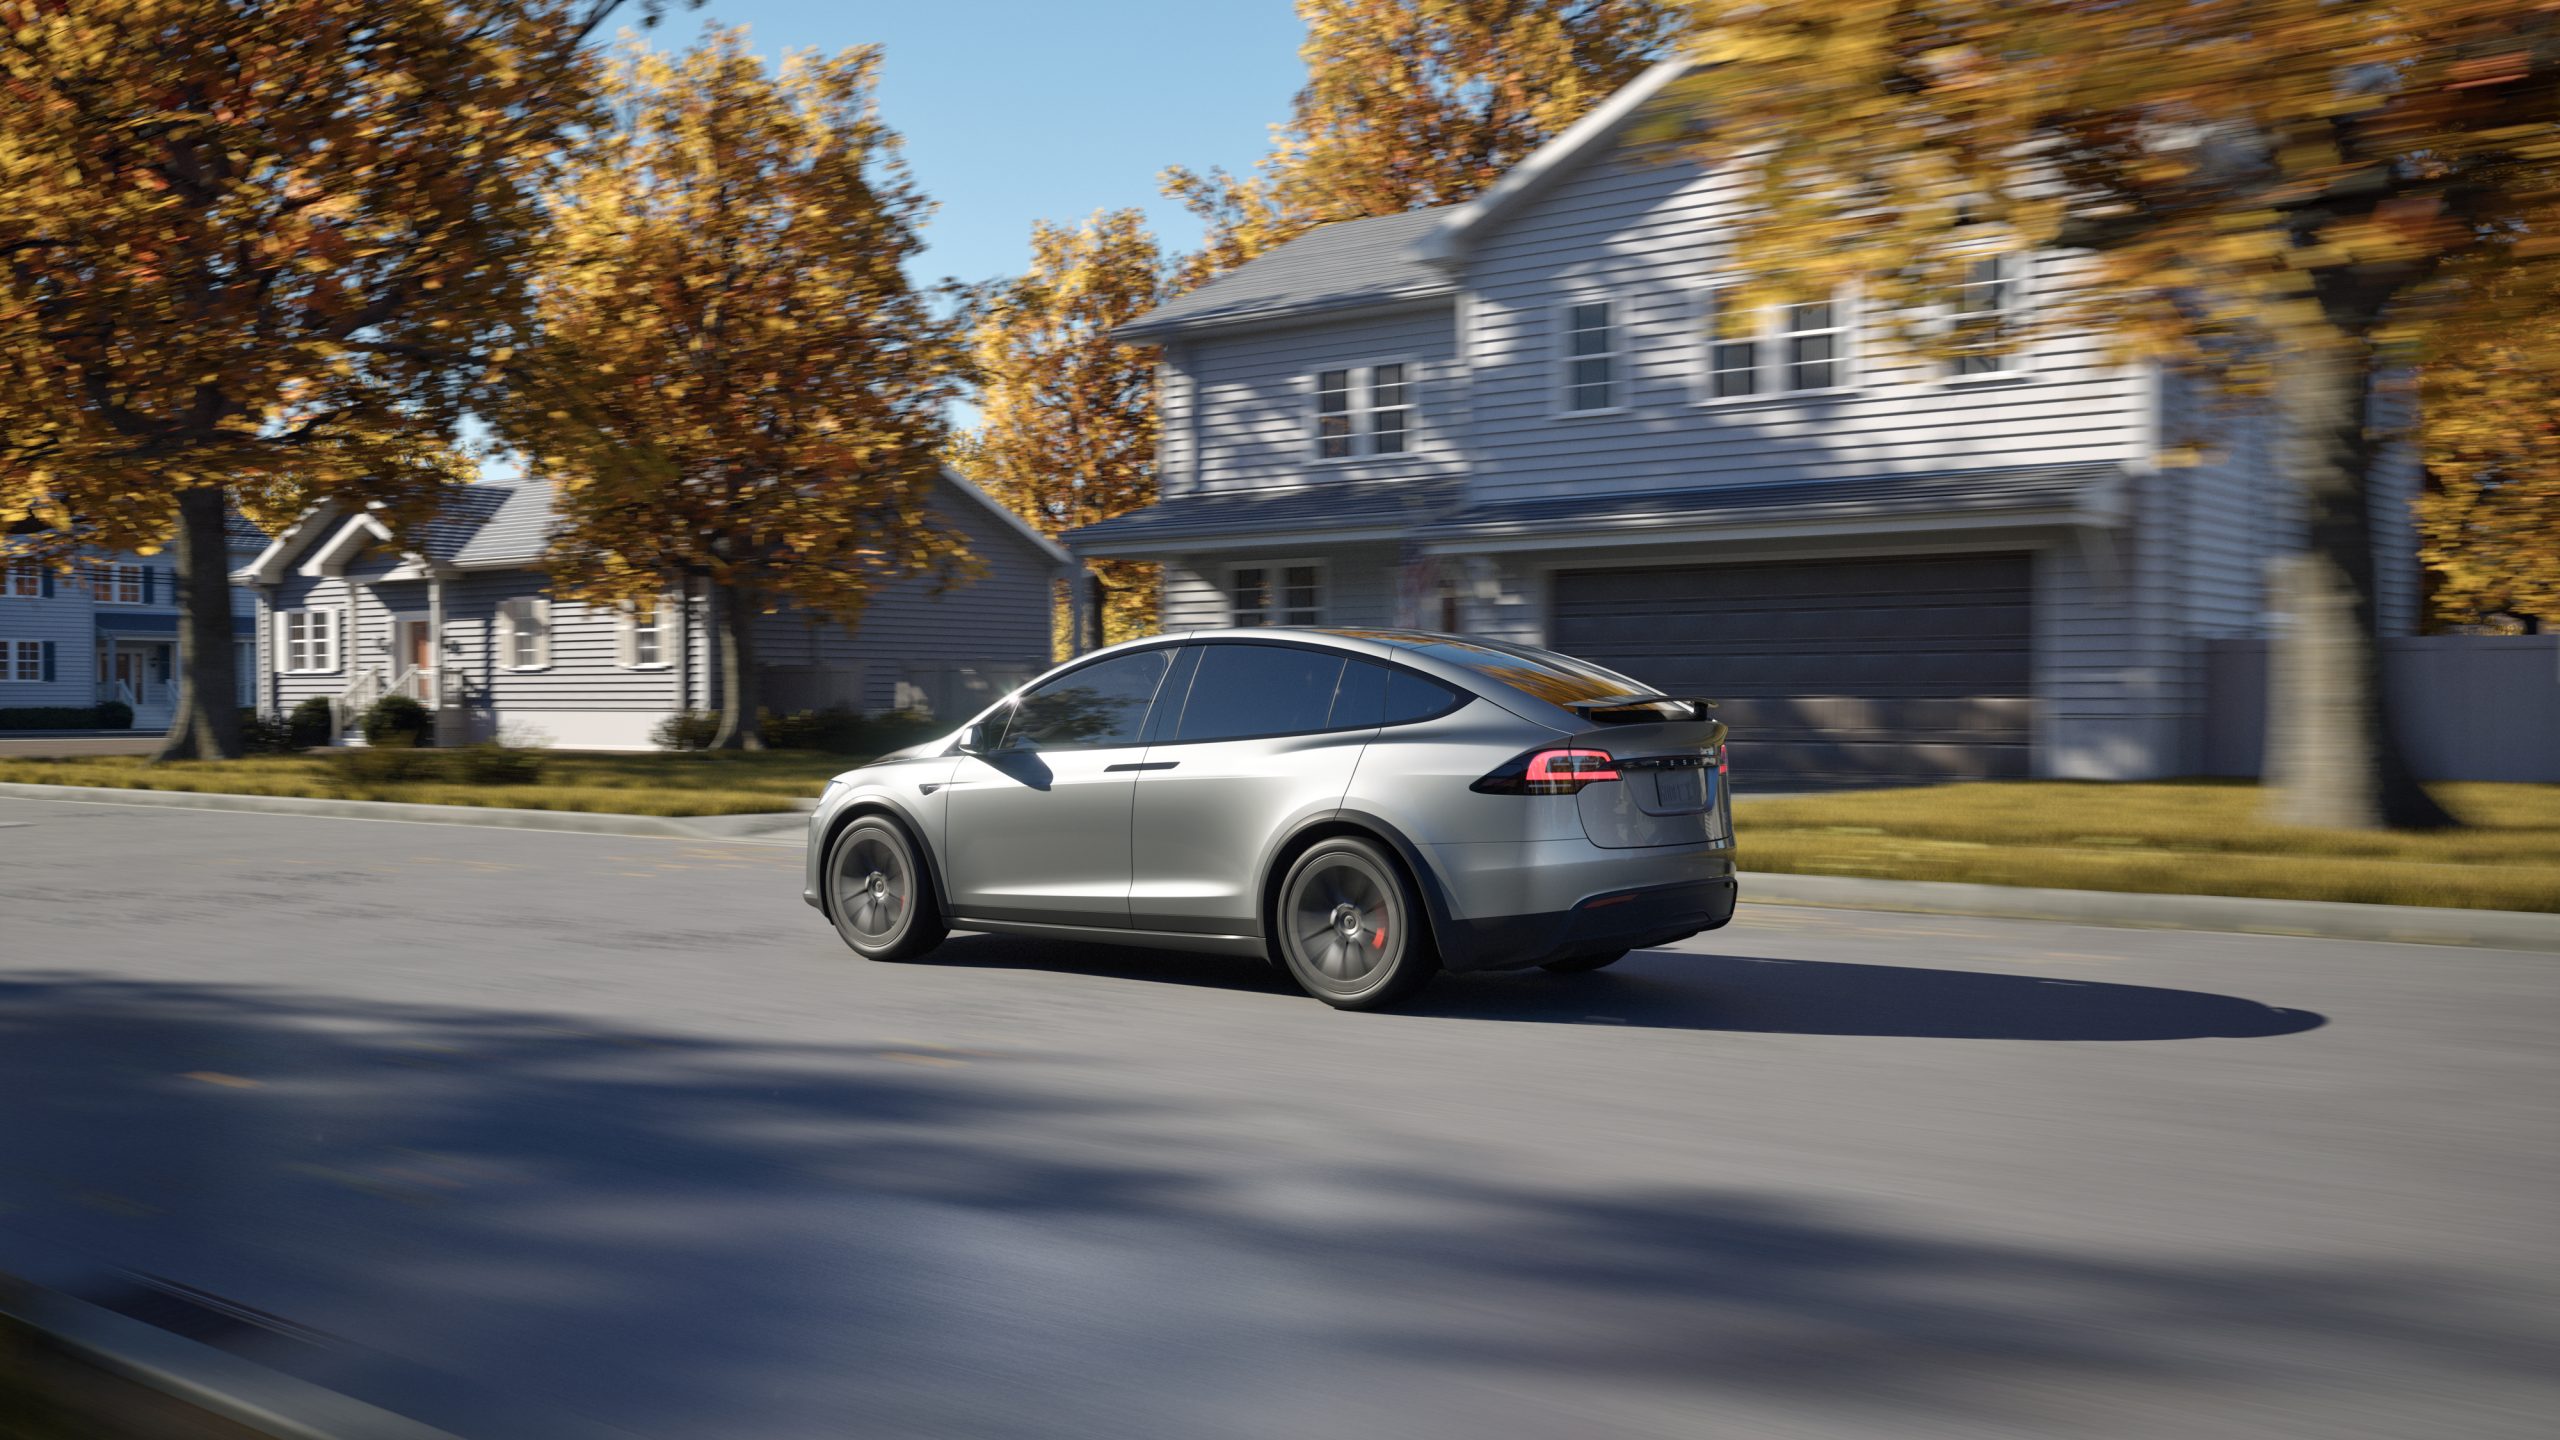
point(1533, 417)
point(104, 628)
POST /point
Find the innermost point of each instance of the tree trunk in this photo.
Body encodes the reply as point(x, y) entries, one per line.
point(207, 723)
point(740, 727)
point(2334, 756)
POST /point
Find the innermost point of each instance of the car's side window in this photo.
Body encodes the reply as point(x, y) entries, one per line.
point(1100, 705)
point(1244, 691)
point(1374, 694)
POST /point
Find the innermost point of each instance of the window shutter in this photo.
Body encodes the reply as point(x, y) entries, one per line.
point(151, 585)
point(626, 637)
point(506, 629)
point(541, 632)
point(47, 572)
point(48, 660)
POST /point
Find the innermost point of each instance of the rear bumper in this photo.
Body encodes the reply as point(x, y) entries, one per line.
point(1511, 906)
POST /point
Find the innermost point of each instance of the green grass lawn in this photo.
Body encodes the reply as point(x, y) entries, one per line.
point(2188, 837)
point(691, 783)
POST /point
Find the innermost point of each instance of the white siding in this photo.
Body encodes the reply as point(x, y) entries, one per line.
point(1651, 237)
point(918, 630)
point(1255, 398)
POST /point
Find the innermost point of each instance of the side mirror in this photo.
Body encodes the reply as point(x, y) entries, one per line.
point(983, 737)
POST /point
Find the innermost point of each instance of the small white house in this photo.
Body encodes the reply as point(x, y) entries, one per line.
point(463, 621)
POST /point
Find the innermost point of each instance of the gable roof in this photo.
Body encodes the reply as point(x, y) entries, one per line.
point(1460, 226)
point(1344, 265)
point(507, 525)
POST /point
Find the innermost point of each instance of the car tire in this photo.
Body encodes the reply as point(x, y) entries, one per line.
point(878, 893)
point(1581, 964)
point(1349, 928)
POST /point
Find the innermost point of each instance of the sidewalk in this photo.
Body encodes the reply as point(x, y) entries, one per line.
point(2400, 924)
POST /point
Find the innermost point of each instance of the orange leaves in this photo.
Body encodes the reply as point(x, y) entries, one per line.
point(1412, 104)
point(732, 376)
point(300, 207)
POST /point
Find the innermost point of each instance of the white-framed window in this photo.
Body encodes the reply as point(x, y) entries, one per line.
point(1813, 345)
point(1986, 315)
point(308, 640)
point(644, 632)
point(1276, 592)
point(1591, 356)
point(1767, 351)
point(115, 583)
point(25, 580)
point(1363, 410)
point(524, 634)
point(22, 662)
point(1734, 346)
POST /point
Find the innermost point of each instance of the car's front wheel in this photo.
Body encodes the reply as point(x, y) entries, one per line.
point(878, 894)
point(1350, 926)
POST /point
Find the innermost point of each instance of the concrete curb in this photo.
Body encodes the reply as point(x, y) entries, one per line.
point(2317, 919)
point(243, 1397)
point(696, 827)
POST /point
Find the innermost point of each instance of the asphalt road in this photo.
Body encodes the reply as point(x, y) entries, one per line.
point(616, 1126)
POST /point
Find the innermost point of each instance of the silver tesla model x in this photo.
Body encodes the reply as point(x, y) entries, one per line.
point(1363, 807)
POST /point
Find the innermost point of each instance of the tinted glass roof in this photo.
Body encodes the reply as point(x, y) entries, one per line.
point(1558, 679)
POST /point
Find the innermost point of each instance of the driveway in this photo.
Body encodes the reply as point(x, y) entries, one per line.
point(474, 1122)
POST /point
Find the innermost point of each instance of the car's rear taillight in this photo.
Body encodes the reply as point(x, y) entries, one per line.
point(1550, 772)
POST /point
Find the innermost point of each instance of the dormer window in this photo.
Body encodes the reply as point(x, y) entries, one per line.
point(1364, 410)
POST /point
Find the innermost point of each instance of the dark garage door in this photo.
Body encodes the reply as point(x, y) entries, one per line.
point(1900, 667)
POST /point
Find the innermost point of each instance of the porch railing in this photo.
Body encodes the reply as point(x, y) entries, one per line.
point(419, 683)
point(351, 703)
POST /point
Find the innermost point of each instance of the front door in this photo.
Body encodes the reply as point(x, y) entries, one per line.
point(417, 645)
point(131, 673)
point(1037, 828)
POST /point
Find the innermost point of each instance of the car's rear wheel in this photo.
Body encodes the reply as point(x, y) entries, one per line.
point(1578, 964)
point(1350, 926)
point(878, 894)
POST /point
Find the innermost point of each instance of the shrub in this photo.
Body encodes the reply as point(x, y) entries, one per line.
point(311, 725)
point(113, 715)
point(262, 736)
point(487, 764)
point(843, 732)
point(686, 730)
point(379, 765)
point(397, 720)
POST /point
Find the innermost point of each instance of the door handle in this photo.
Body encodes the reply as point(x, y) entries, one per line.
point(1142, 765)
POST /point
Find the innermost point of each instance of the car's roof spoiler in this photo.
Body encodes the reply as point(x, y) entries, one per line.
point(1698, 705)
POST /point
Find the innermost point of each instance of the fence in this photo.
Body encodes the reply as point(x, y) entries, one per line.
point(2470, 707)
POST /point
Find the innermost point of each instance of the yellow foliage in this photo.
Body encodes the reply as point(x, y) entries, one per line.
point(1410, 103)
point(732, 377)
point(1069, 420)
point(240, 257)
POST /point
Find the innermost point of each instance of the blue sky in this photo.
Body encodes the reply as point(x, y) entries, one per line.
point(1023, 110)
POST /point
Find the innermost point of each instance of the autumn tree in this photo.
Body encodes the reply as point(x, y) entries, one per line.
point(2489, 400)
point(2283, 196)
point(1412, 103)
point(733, 381)
point(259, 254)
point(1068, 434)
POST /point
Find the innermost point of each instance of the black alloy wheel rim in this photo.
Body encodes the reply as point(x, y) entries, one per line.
point(1342, 924)
point(874, 886)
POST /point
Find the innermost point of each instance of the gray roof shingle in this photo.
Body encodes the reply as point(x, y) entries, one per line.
point(1347, 263)
point(1331, 506)
point(2013, 489)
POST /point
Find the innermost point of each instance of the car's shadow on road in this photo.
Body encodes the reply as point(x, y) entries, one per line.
point(1683, 990)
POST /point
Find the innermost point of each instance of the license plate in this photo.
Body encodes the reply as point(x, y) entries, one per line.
point(1680, 789)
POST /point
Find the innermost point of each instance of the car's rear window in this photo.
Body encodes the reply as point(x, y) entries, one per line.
point(1558, 679)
